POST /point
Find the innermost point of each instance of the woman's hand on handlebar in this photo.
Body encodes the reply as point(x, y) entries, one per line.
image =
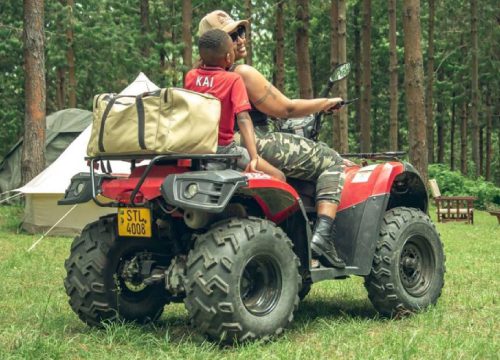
point(348, 163)
point(333, 104)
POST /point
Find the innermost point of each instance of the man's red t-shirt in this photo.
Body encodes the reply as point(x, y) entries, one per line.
point(228, 87)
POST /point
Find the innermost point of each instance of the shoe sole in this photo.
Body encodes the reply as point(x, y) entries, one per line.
point(324, 259)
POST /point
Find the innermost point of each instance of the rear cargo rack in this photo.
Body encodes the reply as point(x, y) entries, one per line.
point(198, 162)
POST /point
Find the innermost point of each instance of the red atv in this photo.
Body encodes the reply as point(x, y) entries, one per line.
point(235, 247)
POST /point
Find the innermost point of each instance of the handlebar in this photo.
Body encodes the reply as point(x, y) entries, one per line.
point(317, 117)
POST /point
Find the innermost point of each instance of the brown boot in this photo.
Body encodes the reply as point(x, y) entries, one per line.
point(322, 245)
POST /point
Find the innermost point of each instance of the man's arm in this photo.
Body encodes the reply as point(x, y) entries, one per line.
point(257, 164)
point(247, 133)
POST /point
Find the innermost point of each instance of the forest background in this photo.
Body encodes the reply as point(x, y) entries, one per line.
point(97, 46)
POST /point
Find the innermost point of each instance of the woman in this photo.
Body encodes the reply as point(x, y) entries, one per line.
point(296, 156)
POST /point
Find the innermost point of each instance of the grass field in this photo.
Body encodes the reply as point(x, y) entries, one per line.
point(336, 320)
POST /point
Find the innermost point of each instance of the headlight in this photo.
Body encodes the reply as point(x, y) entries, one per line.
point(191, 190)
point(79, 188)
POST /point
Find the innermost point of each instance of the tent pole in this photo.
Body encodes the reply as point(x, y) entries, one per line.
point(53, 226)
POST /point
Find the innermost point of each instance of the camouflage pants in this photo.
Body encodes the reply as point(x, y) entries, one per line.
point(304, 159)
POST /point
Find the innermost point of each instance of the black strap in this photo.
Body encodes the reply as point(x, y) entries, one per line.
point(140, 118)
point(140, 115)
point(103, 121)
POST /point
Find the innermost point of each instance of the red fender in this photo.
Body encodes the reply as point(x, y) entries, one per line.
point(372, 180)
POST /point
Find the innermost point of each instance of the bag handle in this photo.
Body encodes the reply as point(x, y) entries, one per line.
point(103, 120)
point(140, 115)
point(140, 120)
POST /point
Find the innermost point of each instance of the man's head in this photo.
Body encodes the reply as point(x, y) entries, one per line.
point(216, 48)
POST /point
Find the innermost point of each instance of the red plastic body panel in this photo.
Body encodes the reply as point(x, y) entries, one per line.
point(277, 199)
point(121, 188)
point(372, 180)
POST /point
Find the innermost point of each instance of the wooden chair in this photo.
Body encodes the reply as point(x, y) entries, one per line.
point(495, 213)
point(452, 208)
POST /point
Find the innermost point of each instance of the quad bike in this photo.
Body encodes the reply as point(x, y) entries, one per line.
point(234, 246)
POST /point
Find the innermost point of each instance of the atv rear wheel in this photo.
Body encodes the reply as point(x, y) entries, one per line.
point(408, 266)
point(103, 283)
point(242, 281)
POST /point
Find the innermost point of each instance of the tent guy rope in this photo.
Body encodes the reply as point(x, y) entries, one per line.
point(53, 226)
point(10, 197)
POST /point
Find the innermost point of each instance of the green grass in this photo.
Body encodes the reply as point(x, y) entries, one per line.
point(336, 321)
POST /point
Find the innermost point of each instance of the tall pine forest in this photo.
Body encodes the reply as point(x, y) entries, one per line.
point(445, 50)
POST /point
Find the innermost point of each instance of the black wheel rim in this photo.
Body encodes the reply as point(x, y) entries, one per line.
point(260, 285)
point(417, 265)
point(131, 288)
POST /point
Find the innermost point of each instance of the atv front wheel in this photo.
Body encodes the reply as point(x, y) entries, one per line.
point(242, 281)
point(409, 264)
point(104, 281)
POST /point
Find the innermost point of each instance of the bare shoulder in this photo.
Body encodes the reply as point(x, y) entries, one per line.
point(247, 71)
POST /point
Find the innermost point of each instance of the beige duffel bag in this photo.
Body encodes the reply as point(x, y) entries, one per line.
point(166, 121)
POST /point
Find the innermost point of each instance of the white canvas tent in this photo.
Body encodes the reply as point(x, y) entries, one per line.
point(43, 192)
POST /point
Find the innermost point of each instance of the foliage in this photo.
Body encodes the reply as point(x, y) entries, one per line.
point(108, 43)
point(453, 183)
point(11, 74)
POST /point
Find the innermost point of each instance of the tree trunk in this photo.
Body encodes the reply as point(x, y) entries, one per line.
point(463, 140)
point(145, 49)
point(393, 69)
point(481, 152)
point(60, 88)
point(302, 47)
point(248, 15)
point(452, 134)
point(414, 80)
point(33, 154)
point(366, 78)
point(430, 83)
point(173, 61)
point(475, 88)
point(376, 125)
point(334, 31)
point(440, 139)
point(334, 61)
point(61, 25)
point(342, 58)
point(357, 68)
point(70, 56)
point(440, 123)
point(187, 40)
point(279, 80)
point(489, 150)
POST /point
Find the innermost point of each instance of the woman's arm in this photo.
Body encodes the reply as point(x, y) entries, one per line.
point(266, 98)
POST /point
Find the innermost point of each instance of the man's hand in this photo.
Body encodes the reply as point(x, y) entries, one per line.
point(252, 166)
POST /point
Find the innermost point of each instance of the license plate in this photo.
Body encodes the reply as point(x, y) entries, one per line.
point(134, 222)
